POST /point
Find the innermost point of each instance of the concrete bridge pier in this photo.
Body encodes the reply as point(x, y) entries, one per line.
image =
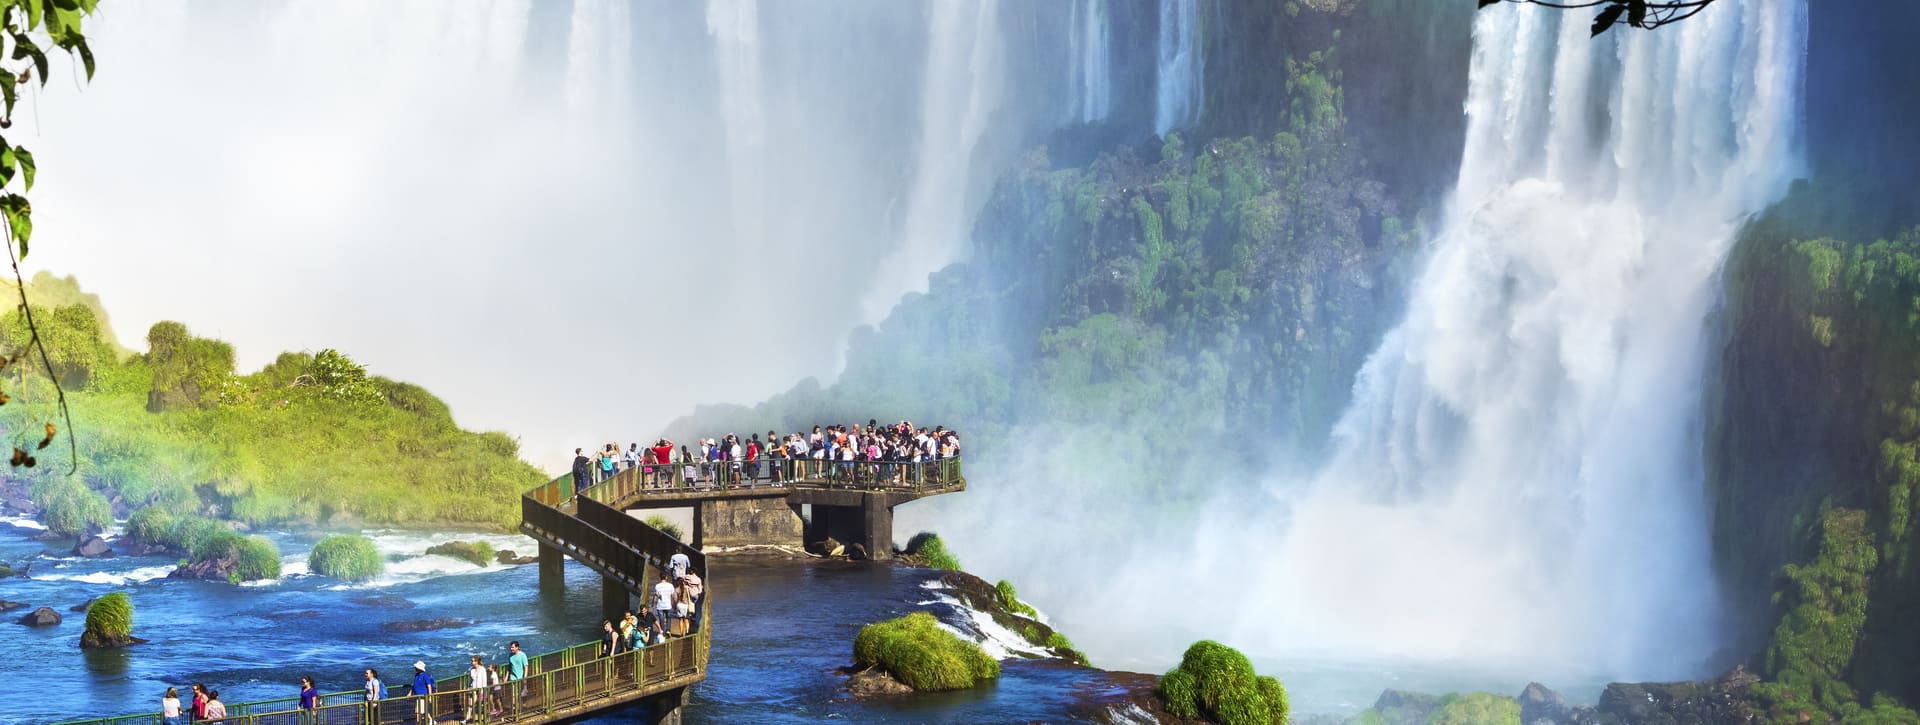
point(553, 568)
point(854, 517)
point(664, 708)
point(615, 602)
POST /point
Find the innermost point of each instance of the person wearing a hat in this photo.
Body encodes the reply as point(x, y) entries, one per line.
point(422, 689)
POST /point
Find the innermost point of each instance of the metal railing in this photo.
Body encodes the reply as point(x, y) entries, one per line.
point(905, 476)
point(559, 684)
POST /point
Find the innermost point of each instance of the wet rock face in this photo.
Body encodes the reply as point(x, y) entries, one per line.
point(510, 557)
point(875, 683)
point(1725, 699)
point(42, 617)
point(218, 570)
point(93, 547)
point(6, 606)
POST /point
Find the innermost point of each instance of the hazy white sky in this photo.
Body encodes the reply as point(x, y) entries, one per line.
point(573, 223)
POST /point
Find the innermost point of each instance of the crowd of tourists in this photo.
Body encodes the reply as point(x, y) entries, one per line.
point(830, 452)
point(673, 610)
point(489, 687)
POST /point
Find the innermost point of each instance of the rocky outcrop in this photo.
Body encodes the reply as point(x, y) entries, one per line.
point(875, 682)
point(93, 547)
point(214, 570)
point(509, 557)
point(477, 553)
point(977, 594)
point(1541, 705)
point(6, 606)
point(82, 607)
point(426, 625)
point(383, 601)
point(42, 617)
point(92, 640)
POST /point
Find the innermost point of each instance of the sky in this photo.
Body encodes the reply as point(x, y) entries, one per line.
point(572, 223)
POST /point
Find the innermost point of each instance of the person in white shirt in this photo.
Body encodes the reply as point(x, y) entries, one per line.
point(477, 691)
point(663, 601)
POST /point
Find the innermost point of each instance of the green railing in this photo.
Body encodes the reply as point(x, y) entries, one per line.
point(915, 477)
point(559, 684)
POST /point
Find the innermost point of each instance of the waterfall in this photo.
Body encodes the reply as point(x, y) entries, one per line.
point(735, 27)
point(1177, 89)
point(1092, 61)
point(961, 90)
point(1519, 476)
point(598, 41)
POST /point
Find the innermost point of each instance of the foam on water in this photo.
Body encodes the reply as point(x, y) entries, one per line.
point(111, 578)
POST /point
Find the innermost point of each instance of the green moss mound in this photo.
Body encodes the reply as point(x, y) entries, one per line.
point(109, 621)
point(346, 556)
point(918, 652)
point(931, 551)
point(1476, 708)
point(666, 527)
point(1217, 683)
point(478, 553)
point(255, 558)
point(1010, 599)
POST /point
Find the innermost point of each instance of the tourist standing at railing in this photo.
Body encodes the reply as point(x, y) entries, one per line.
point(686, 463)
point(608, 457)
point(216, 710)
point(309, 699)
point(374, 688)
point(422, 693)
point(695, 591)
point(633, 457)
point(476, 699)
point(170, 707)
point(199, 702)
point(582, 469)
point(609, 639)
point(663, 454)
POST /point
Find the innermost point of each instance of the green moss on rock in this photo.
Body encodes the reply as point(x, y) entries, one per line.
point(1476, 708)
point(1217, 683)
point(479, 553)
point(346, 556)
point(917, 651)
point(109, 622)
point(928, 550)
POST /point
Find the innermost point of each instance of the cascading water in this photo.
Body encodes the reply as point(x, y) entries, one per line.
point(1518, 479)
point(962, 89)
point(1177, 84)
point(1092, 61)
point(735, 27)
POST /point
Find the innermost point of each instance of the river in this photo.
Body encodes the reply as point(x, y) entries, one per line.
point(785, 628)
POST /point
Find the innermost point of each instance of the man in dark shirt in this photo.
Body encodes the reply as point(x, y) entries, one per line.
point(582, 469)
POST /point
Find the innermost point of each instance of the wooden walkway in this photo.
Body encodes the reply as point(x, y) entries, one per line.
point(561, 686)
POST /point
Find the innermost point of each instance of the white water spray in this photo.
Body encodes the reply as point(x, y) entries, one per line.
point(735, 27)
point(961, 91)
point(1177, 84)
point(1519, 477)
point(1092, 61)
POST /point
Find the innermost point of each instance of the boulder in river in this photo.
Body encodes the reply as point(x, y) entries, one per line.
point(875, 682)
point(6, 606)
point(424, 625)
point(42, 617)
point(214, 570)
point(81, 607)
point(93, 547)
point(383, 601)
point(509, 557)
point(478, 553)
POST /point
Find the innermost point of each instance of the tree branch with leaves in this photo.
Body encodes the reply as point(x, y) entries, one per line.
point(29, 29)
point(1643, 14)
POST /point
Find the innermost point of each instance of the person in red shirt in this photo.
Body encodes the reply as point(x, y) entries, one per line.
point(663, 455)
point(753, 458)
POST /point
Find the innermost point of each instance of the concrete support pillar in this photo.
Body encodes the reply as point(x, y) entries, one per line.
point(700, 525)
point(614, 601)
point(877, 526)
point(553, 567)
point(664, 708)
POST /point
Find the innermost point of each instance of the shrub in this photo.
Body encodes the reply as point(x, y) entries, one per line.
point(1218, 683)
point(932, 551)
point(479, 553)
point(110, 618)
point(346, 556)
point(259, 559)
point(1011, 599)
point(1475, 708)
point(188, 533)
point(916, 650)
point(150, 524)
point(666, 527)
point(69, 507)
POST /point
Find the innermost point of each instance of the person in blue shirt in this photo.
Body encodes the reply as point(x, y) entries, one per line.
point(422, 688)
point(516, 672)
point(309, 699)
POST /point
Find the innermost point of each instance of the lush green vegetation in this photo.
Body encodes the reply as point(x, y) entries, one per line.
point(478, 553)
point(309, 438)
point(1010, 599)
point(179, 533)
point(254, 557)
point(927, 547)
point(110, 618)
point(1217, 683)
point(346, 556)
point(1476, 708)
point(917, 651)
point(1812, 452)
point(667, 527)
point(69, 507)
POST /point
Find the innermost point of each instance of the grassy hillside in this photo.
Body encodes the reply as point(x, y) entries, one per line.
point(309, 438)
